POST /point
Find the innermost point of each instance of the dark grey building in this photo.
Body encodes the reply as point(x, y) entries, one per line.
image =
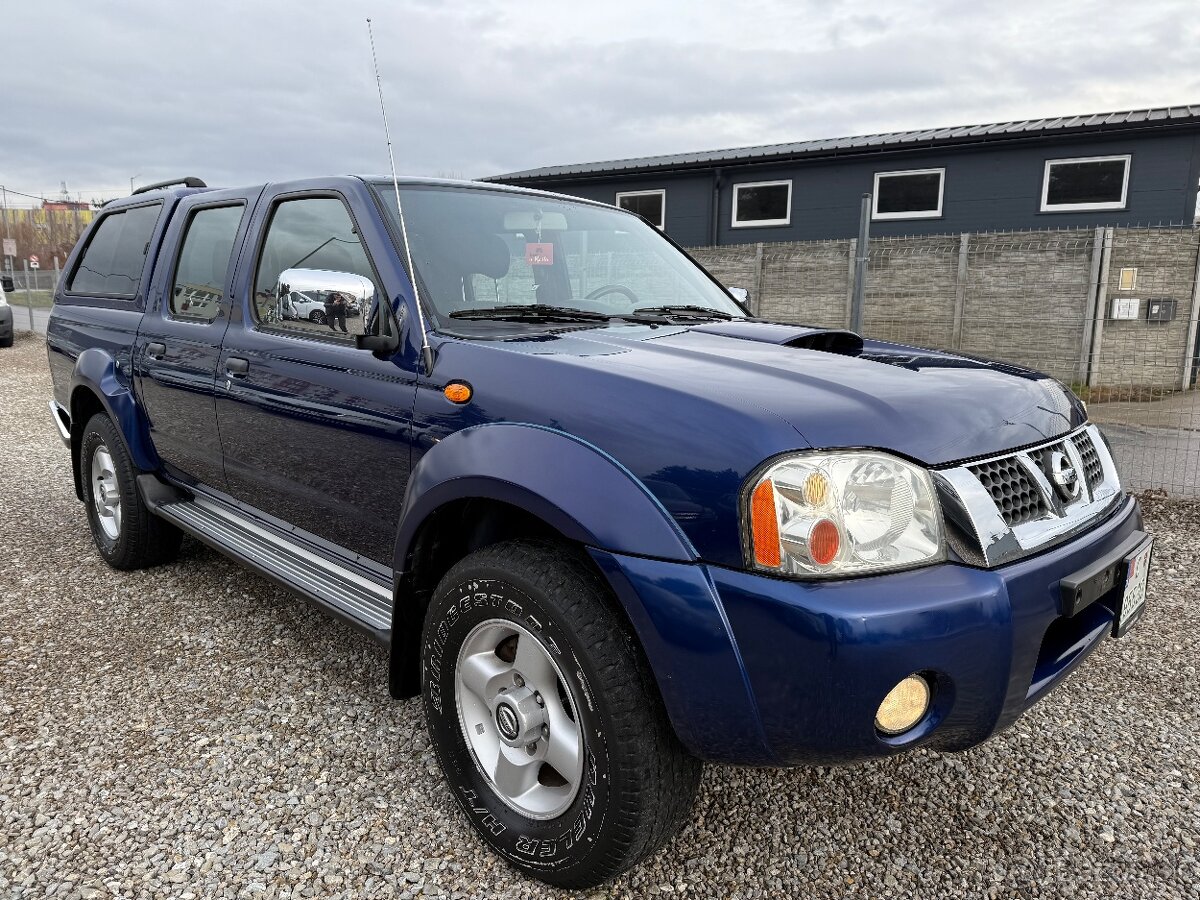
point(1127, 168)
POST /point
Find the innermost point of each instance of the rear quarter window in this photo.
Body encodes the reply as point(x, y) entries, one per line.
point(115, 255)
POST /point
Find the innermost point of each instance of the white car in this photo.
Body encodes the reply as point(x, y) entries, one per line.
point(6, 314)
point(298, 305)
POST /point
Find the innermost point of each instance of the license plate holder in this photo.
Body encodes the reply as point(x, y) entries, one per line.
point(1132, 603)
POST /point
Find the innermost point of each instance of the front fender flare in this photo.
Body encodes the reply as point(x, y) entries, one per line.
point(569, 484)
point(96, 371)
point(575, 487)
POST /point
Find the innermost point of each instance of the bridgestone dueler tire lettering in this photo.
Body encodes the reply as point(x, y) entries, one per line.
point(638, 783)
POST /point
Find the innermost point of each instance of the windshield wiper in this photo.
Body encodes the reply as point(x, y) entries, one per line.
point(540, 311)
point(684, 312)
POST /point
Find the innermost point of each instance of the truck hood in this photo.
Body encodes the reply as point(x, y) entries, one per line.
point(931, 406)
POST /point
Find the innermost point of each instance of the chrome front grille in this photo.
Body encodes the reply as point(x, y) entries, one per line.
point(1012, 489)
point(1091, 459)
point(1019, 502)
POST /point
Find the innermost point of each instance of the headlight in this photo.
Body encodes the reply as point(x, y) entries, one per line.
point(841, 513)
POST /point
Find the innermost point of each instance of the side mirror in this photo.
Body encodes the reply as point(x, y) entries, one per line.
point(380, 344)
point(741, 297)
point(7, 283)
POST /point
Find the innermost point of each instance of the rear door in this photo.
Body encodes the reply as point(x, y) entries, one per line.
point(179, 343)
point(315, 431)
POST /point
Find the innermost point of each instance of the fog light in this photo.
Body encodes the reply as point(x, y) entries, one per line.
point(904, 706)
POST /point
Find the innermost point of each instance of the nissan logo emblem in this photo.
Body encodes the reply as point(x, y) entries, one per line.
point(1065, 477)
point(506, 721)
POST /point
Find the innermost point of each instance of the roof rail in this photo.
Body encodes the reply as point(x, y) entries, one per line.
point(190, 181)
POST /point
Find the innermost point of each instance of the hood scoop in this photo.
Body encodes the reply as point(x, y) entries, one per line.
point(829, 340)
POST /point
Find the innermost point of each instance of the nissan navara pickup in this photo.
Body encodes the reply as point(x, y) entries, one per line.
point(609, 524)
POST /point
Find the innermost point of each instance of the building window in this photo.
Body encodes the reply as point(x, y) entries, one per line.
point(650, 205)
point(762, 203)
point(913, 194)
point(1097, 182)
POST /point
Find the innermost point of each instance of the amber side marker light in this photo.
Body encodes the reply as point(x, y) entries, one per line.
point(764, 526)
point(458, 392)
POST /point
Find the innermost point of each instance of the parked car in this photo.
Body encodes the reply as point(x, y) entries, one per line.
point(6, 313)
point(607, 529)
point(298, 305)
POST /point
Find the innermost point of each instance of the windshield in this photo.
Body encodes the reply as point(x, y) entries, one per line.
point(477, 250)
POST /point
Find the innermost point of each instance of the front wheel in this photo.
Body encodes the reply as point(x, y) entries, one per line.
point(545, 717)
point(316, 317)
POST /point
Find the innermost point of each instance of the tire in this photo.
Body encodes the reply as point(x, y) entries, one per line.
point(133, 537)
point(316, 317)
point(634, 784)
point(7, 340)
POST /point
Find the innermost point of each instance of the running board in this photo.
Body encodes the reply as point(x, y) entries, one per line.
point(360, 601)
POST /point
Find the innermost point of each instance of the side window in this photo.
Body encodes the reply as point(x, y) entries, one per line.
point(313, 275)
point(199, 285)
point(113, 260)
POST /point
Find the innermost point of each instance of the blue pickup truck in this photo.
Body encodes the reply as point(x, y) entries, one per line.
point(609, 523)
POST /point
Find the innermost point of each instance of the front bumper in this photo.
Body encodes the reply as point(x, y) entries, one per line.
point(765, 671)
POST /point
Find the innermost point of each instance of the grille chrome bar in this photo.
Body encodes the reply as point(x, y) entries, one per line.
point(1016, 503)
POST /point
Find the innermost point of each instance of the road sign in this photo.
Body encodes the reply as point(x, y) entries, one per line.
point(10, 247)
point(33, 262)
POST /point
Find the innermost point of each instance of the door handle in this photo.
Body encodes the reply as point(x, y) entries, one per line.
point(235, 366)
point(155, 350)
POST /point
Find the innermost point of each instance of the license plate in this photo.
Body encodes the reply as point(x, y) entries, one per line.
point(1133, 598)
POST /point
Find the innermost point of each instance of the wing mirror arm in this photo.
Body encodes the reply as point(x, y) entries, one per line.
point(382, 345)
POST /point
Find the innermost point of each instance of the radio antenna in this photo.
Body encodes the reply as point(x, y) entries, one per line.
point(426, 351)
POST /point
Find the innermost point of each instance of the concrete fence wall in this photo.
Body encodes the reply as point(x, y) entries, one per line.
point(1044, 299)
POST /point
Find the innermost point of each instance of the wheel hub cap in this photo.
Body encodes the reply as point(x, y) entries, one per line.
point(519, 719)
point(106, 495)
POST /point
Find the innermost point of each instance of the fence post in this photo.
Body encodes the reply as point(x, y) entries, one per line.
point(28, 293)
point(860, 265)
point(1093, 368)
point(756, 297)
point(1090, 312)
point(960, 289)
point(1190, 347)
point(852, 260)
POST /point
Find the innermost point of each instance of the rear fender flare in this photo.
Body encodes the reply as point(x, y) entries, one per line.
point(97, 372)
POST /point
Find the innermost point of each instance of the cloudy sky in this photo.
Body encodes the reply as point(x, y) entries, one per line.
point(96, 92)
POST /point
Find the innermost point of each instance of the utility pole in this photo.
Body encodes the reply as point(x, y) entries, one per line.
point(7, 233)
point(860, 265)
point(131, 177)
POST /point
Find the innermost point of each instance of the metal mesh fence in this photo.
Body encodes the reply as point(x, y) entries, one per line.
point(1113, 312)
point(1110, 311)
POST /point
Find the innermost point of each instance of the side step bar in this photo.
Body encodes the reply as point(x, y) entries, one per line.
point(358, 600)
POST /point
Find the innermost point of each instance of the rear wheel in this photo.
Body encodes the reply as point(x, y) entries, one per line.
point(546, 719)
point(126, 533)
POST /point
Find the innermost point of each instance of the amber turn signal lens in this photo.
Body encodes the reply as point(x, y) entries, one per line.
point(823, 542)
point(457, 392)
point(764, 526)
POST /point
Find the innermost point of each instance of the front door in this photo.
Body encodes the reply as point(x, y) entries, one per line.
point(179, 342)
point(315, 432)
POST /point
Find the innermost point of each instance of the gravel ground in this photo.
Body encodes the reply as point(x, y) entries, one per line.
point(194, 731)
